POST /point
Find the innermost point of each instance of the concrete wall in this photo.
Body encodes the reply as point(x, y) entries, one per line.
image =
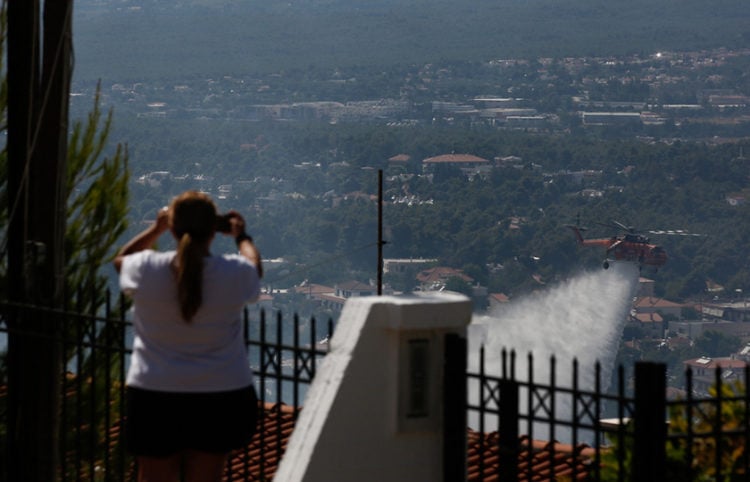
point(374, 410)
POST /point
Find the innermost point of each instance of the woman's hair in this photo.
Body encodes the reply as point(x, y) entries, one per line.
point(193, 221)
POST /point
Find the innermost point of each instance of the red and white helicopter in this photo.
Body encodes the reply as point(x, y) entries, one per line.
point(629, 245)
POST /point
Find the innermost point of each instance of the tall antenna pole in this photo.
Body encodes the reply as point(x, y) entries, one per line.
point(380, 232)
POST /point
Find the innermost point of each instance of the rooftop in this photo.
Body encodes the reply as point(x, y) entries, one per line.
point(455, 158)
point(261, 458)
point(482, 452)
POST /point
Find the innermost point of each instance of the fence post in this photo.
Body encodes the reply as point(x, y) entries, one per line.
point(508, 431)
point(454, 409)
point(650, 430)
point(397, 345)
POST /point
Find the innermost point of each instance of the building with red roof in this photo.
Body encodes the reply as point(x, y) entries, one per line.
point(704, 371)
point(469, 164)
point(434, 279)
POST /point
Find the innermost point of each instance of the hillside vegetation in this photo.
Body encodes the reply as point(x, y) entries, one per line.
point(183, 77)
point(148, 39)
point(309, 194)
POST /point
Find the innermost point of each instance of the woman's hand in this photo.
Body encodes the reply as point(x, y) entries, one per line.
point(244, 242)
point(162, 220)
point(236, 224)
point(146, 238)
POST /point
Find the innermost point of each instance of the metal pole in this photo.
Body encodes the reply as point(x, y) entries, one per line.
point(38, 90)
point(23, 74)
point(454, 409)
point(380, 232)
point(650, 431)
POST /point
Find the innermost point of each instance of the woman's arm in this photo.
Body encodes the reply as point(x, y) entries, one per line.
point(250, 251)
point(145, 239)
point(244, 241)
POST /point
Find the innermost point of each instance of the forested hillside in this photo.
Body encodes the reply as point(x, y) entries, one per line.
point(309, 191)
point(186, 79)
point(138, 40)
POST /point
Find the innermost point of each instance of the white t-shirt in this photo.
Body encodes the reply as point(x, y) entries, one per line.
point(207, 354)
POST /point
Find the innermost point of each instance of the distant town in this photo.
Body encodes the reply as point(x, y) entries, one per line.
point(667, 94)
point(663, 97)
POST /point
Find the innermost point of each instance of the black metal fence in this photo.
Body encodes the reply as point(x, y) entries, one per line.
point(631, 433)
point(95, 348)
point(612, 435)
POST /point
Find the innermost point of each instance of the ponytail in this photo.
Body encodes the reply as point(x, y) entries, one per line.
point(189, 271)
point(193, 222)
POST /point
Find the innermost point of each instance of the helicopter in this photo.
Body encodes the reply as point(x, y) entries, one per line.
point(628, 246)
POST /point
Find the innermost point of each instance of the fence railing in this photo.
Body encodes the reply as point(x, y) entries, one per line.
point(94, 351)
point(614, 434)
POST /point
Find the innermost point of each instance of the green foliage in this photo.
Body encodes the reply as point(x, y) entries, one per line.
point(617, 460)
point(514, 218)
point(91, 407)
point(97, 205)
point(97, 198)
point(711, 426)
point(693, 458)
point(233, 38)
point(404, 281)
point(459, 285)
point(715, 344)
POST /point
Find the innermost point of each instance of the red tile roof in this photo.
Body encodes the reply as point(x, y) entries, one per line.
point(455, 158)
point(278, 422)
point(442, 273)
point(400, 158)
point(261, 458)
point(535, 455)
point(258, 461)
point(354, 285)
point(650, 301)
point(649, 317)
point(714, 363)
point(500, 297)
point(313, 289)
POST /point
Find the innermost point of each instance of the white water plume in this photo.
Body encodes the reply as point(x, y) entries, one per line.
point(581, 318)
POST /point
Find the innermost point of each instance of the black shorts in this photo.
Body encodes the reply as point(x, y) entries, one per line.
point(160, 424)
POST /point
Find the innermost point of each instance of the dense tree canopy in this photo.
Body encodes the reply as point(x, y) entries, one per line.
point(230, 37)
point(310, 192)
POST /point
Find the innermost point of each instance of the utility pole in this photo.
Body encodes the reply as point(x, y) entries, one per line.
point(380, 232)
point(39, 74)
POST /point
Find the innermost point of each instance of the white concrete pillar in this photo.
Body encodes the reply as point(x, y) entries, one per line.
point(374, 410)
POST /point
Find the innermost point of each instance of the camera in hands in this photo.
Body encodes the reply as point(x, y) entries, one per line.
point(222, 223)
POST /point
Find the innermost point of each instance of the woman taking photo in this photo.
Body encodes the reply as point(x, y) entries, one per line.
point(190, 398)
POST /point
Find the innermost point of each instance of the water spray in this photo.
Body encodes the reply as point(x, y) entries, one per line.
point(581, 318)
